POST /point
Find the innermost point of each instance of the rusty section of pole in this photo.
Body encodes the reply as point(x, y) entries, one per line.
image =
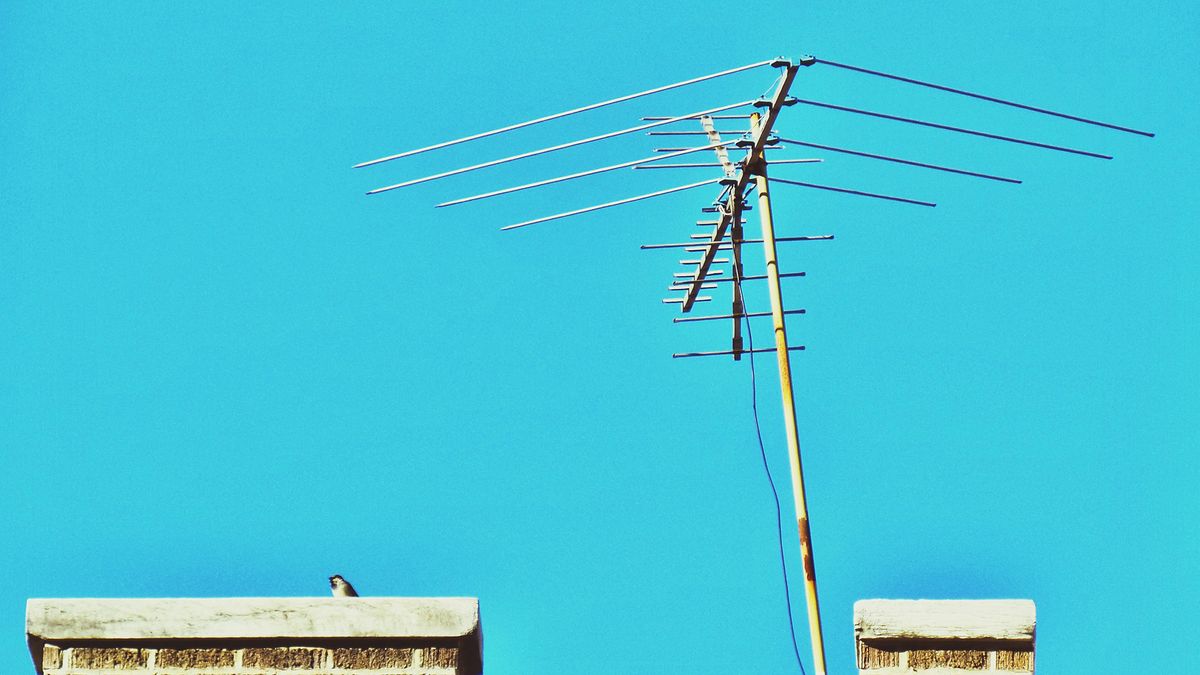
point(758, 167)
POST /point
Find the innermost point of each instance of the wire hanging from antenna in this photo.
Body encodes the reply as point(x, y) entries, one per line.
point(762, 449)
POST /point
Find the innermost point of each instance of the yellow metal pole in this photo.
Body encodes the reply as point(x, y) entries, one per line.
point(758, 166)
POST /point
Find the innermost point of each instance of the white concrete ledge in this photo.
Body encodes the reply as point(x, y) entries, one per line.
point(254, 618)
point(945, 619)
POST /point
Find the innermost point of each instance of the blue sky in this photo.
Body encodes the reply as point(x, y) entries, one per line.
point(225, 371)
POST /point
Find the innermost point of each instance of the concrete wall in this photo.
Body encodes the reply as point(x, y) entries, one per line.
point(944, 637)
point(256, 636)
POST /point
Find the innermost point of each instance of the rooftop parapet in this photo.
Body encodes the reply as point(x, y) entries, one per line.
point(249, 636)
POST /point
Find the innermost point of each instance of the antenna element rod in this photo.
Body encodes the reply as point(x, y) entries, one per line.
point(898, 161)
point(738, 279)
point(715, 117)
point(534, 153)
point(686, 319)
point(573, 111)
point(581, 174)
point(685, 355)
point(694, 133)
point(697, 165)
point(627, 200)
point(982, 97)
point(691, 244)
point(960, 130)
point(860, 193)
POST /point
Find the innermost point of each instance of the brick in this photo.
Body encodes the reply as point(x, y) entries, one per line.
point(971, 659)
point(365, 658)
point(873, 657)
point(195, 658)
point(1008, 659)
point(51, 657)
point(440, 657)
point(96, 658)
point(283, 658)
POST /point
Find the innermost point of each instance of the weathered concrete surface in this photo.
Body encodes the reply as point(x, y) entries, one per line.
point(192, 618)
point(255, 636)
point(944, 637)
point(945, 619)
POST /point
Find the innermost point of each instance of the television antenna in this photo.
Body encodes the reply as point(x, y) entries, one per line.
point(725, 216)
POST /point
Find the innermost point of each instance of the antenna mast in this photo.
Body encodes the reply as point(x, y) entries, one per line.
point(738, 179)
point(758, 168)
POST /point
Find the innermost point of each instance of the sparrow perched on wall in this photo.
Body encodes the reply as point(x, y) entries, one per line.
point(341, 587)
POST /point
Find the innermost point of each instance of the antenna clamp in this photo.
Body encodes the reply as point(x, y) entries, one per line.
point(806, 60)
point(766, 103)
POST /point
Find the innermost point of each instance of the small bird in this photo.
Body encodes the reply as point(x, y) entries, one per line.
point(341, 587)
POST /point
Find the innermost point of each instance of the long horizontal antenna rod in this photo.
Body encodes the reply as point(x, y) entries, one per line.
point(542, 151)
point(692, 244)
point(627, 200)
point(798, 348)
point(581, 174)
point(983, 97)
point(715, 117)
point(709, 164)
point(686, 319)
point(573, 111)
point(860, 193)
point(731, 142)
point(823, 237)
point(899, 161)
point(732, 132)
point(681, 284)
point(946, 127)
